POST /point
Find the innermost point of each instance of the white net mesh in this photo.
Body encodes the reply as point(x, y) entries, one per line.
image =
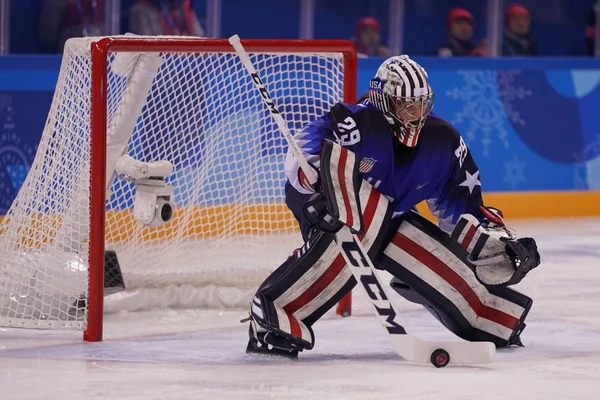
point(202, 113)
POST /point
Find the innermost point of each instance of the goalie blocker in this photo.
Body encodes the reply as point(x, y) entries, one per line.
point(429, 267)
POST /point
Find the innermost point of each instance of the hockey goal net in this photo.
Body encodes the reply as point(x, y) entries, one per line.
point(183, 100)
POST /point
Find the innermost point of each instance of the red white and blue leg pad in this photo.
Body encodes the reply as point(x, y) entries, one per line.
point(314, 279)
point(433, 270)
point(340, 180)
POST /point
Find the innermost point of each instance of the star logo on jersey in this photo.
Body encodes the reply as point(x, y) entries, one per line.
point(471, 181)
point(366, 165)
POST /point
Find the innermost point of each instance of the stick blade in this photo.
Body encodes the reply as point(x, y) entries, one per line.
point(414, 349)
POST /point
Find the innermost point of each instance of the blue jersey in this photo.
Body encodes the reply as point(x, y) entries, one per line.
point(439, 169)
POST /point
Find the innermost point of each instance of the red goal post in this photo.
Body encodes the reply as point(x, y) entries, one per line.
point(100, 51)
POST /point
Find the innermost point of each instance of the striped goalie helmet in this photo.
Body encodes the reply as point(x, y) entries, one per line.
point(401, 90)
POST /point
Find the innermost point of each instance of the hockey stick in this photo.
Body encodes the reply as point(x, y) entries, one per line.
point(406, 345)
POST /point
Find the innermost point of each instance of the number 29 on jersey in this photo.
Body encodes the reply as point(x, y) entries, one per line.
point(349, 134)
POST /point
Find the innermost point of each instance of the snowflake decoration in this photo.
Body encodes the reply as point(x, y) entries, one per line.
point(514, 172)
point(12, 153)
point(589, 153)
point(487, 98)
point(510, 93)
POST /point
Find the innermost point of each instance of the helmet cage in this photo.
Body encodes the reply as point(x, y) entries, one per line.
point(407, 114)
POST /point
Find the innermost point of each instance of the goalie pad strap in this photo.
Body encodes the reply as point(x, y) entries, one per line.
point(469, 237)
point(315, 277)
point(424, 258)
point(340, 182)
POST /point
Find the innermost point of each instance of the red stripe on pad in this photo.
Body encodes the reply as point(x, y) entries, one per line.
point(370, 209)
point(343, 189)
point(455, 280)
point(294, 325)
point(317, 287)
point(469, 236)
point(336, 267)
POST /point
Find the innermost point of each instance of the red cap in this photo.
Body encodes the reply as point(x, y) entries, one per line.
point(458, 12)
point(515, 9)
point(367, 22)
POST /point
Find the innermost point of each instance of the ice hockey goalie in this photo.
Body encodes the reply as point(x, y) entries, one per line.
point(461, 270)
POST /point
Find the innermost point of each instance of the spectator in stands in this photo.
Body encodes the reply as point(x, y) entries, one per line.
point(517, 41)
point(368, 38)
point(590, 29)
point(64, 19)
point(459, 41)
point(164, 17)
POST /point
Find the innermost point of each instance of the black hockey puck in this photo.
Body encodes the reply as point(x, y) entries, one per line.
point(440, 358)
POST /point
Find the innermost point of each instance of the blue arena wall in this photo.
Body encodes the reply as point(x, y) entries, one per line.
point(531, 124)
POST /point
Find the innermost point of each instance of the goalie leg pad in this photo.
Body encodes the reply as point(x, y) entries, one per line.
point(315, 277)
point(274, 326)
point(340, 180)
point(307, 284)
point(431, 269)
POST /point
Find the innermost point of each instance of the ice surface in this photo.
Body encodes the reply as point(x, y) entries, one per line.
point(194, 354)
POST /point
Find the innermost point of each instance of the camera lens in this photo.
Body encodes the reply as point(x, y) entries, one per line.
point(166, 212)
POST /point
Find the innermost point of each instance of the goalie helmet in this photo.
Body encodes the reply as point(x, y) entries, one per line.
point(401, 90)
